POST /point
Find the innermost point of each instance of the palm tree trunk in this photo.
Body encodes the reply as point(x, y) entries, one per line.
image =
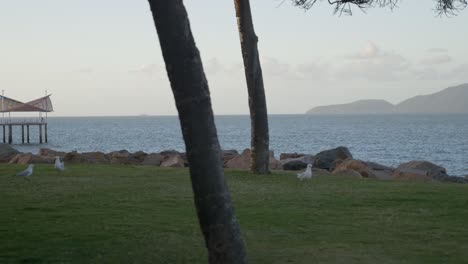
point(257, 100)
point(189, 85)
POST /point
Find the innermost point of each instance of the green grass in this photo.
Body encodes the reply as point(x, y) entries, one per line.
point(126, 214)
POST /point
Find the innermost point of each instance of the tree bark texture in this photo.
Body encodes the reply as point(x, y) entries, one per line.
point(260, 139)
point(190, 88)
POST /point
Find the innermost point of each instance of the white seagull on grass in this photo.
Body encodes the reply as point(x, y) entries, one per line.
point(306, 174)
point(59, 165)
point(27, 172)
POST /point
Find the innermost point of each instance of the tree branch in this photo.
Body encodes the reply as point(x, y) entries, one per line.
point(447, 7)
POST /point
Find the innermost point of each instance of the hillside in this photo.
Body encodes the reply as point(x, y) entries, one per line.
point(450, 100)
point(358, 107)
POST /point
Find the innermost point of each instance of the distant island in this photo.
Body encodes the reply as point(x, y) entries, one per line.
point(450, 100)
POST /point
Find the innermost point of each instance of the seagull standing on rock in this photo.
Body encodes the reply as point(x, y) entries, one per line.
point(27, 172)
point(306, 174)
point(59, 165)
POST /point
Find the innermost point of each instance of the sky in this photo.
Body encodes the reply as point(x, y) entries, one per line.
point(102, 57)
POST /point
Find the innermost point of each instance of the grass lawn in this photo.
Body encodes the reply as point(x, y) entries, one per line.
point(126, 214)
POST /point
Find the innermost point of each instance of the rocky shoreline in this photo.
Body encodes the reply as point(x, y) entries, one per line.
point(338, 161)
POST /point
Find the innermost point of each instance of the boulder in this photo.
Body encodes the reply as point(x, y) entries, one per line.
point(228, 155)
point(120, 157)
point(294, 155)
point(15, 159)
point(349, 173)
point(75, 157)
point(96, 157)
point(169, 153)
point(184, 157)
point(420, 170)
point(274, 164)
point(334, 164)
point(316, 171)
point(293, 164)
point(29, 158)
point(240, 161)
point(364, 168)
point(46, 152)
point(297, 163)
point(349, 165)
point(7, 152)
point(154, 159)
point(174, 161)
point(136, 158)
point(324, 159)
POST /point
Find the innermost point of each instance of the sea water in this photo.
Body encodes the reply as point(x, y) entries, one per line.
point(386, 139)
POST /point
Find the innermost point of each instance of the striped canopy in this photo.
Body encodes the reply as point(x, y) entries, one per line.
point(43, 104)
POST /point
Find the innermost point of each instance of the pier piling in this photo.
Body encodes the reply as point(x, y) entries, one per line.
point(40, 134)
point(10, 134)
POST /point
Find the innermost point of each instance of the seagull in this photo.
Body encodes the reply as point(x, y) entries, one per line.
point(59, 165)
point(27, 172)
point(306, 174)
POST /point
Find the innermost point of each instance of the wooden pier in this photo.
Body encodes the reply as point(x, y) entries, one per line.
point(8, 105)
point(7, 128)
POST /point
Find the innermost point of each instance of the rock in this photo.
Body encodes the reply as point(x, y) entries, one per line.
point(349, 165)
point(45, 152)
point(325, 158)
point(228, 155)
point(379, 167)
point(297, 163)
point(316, 171)
point(7, 152)
point(184, 157)
point(169, 153)
point(136, 158)
point(96, 157)
point(75, 157)
point(120, 157)
point(24, 159)
point(154, 159)
point(174, 161)
point(29, 158)
point(294, 155)
point(274, 164)
point(15, 159)
point(240, 161)
point(350, 173)
point(364, 168)
point(293, 164)
point(420, 170)
point(334, 164)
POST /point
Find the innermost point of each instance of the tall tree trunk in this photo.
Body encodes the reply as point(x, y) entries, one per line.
point(189, 85)
point(257, 101)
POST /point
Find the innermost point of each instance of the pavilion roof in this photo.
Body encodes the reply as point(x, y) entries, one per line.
point(43, 104)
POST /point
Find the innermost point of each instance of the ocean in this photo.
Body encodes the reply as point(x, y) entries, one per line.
point(386, 139)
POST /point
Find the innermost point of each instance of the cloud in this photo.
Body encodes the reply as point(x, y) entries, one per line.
point(315, 70)
point(437, 50)
point(151, 68)
point(368, 52)
point(213, 66)
point(459, 72)
point(427, 73)
point(374, 64)
point(437, 59)
point(274, 67)
point(85, 70)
